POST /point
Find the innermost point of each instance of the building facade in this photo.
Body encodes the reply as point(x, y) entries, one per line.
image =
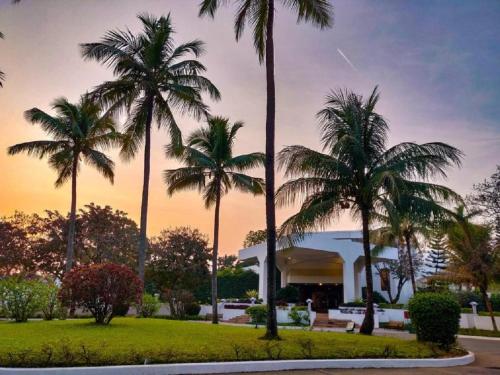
point(327, 267)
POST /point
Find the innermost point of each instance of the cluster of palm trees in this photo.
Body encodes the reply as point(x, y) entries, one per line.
point(152, 80)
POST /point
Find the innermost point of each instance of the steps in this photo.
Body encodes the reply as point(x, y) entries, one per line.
point(322, 321)
point(240, 319)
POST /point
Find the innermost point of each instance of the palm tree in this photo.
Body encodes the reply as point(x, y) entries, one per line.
point(357, 172)
point(2, 74)
point(153, 79)
point(473, 254)
point(212, 169)
point(407, 219)
point(260, 15)
point(79, 132)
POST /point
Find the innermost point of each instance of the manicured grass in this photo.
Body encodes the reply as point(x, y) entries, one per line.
point(478, 332)
point(132, 341)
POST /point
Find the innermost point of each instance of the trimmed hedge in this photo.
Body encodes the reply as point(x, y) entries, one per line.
point(436, 317)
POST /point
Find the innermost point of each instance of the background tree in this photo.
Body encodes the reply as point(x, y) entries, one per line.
point(437, 257)
point(153, 78)
point(259, 14)
point(473, 256)
point(227, 261)
point(79, 131)
point(212, 169)
point(255, 237)
point(14, 245)
point(486, 200)
point(106, 236)
point(179, 260)
point(357, 172)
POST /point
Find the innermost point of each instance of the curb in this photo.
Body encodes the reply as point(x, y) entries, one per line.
point(479, 337)
point(249, 366)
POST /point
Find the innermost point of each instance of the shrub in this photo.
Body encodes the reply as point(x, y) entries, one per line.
point(20, 298)
point(100, 288)
point(298, 315)
point(257, 313)
point(252, 293)
point(121, 309)
point(150, 305)
point(495, 301)
point(464, 298)
point(289, 294)
point(192, 309)
point(49, 302)
point(178, 301)
point(436, 317)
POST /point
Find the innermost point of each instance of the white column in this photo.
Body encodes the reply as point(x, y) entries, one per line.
point(284, 277)
point(349, 283)
point(263, 279)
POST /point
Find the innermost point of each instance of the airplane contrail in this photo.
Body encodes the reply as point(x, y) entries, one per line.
point(347, 60)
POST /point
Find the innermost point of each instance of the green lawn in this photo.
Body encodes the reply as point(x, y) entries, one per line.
point(131, 341)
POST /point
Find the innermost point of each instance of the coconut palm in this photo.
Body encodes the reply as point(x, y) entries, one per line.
point(212, 169)
point(259, 14)
point(80, 132)
point(357, 172)
point(473, 255)
point(408, 219)
point(153, 78)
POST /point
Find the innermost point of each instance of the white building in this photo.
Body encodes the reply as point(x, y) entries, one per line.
point(327, 267)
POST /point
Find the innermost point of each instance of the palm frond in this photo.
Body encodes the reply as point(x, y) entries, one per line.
point(318, 12)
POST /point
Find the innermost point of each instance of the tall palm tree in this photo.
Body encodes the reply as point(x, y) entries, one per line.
point(473, 254)
point(260, 15)
point(79, 131)
point(153, 77)
point(357, 172)
point(212, 169)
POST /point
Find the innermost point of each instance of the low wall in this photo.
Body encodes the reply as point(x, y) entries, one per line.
point(387, 315)
point(356, 318)
point(477, 321)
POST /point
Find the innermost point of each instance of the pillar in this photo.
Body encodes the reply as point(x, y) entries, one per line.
point(348, 280)
point(263, 279)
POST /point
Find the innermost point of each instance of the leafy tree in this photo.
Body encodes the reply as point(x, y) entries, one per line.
point(14, 245)
point(106, 236)
point(179, 260)
point(227, 261)
point(255, 237)
point(212, 169)
point(153, 78)
point(473, 256)
point(79, 131)
point(486, 200)
point(259, 14)
point(357, 172)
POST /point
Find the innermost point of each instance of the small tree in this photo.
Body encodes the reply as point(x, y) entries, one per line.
point(100, 288)
point(255, 237)
point(20, 298)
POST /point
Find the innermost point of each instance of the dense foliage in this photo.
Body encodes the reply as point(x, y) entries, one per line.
point(436, 317)
point(150, 305)
point(257, 313)
point(100, 288)
point(21, 298)
point(288, 294)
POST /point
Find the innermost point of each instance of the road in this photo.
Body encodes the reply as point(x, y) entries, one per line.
point(487, 361)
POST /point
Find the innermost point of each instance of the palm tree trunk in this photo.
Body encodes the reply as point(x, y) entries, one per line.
point(143, 241)
point(368, 321)
point(215, 256)
point(410, 265)
point(272, 325)
point(70, 247)
point(489, 307)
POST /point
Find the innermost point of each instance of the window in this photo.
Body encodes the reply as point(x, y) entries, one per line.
point(385, 282)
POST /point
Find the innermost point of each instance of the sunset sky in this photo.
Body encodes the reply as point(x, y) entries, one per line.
point(437, 64)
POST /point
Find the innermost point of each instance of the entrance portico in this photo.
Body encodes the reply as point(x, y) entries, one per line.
point(328, 266)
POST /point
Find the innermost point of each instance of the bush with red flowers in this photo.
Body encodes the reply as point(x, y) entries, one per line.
point(100, 288)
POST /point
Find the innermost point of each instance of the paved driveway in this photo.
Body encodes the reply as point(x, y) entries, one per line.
point(487, 362)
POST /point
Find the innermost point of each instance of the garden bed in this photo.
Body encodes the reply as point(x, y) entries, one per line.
point(128, 341)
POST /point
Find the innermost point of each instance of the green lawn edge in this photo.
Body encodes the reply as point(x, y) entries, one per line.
point(128, 341)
